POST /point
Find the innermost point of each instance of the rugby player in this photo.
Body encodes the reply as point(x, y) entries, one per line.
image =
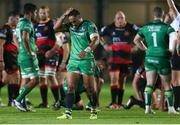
point(157, 59)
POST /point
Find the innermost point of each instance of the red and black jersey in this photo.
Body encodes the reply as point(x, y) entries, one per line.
point(120, 40)
point(2, 34)
point(8, 36)
point(10, 51)
point(45, 35)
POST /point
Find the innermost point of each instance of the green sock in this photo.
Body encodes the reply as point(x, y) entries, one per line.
point(23, 92)
point(169, 97)
point(147, 95)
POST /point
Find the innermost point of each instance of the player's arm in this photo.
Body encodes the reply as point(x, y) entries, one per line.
point(66, 48)
point(52, 51)
point(103, 42)
point(138, 40)
point(59, 24)
point(178, 43)
point(26, 40)
point(172, 7)
point(94, 41)
point(2, 41)
point(173, 39)
point(15, 41)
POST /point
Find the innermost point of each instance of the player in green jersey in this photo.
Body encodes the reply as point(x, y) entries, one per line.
point(157, 60)
point(84, 37)
point(27, 59)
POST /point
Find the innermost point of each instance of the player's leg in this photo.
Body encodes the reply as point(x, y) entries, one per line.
point(122, 81)
point(43, 84)
point(50, 72)
point(73, 76)
point(78, 104)
point(164, 71)
point(114, 81)
point(88, 81)
point(13, 86)
point(175, 75)
point(151, 80)
point(29, 73)
point(100, 82)
point(72, 81)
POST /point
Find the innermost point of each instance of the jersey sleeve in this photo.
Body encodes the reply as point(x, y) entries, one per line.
point(170, 30)
point(104, 31)
point(176, 22)
point(26, 28)
point(141, 32)
point(92, 29)
point(2, 34)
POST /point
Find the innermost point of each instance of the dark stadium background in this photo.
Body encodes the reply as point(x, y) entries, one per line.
point(99, 11)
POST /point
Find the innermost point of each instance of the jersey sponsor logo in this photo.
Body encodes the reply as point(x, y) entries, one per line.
point(154, 28)
point(116, 39)
point(82, 29)
point(78, 34)
point(153, 61)
point(38, 34)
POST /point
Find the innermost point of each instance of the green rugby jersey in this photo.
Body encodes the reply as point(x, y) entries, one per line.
point(80, 38)
point(156, 35)
point(25, 25)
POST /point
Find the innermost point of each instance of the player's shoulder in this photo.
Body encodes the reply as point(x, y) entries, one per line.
point(24, 22)
point(132, 26)
point(88, 22)
point(110, 26)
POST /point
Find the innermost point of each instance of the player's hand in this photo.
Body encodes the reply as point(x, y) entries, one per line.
point(134, 49)
point(107, 47)
point(49, 54)
point(68, 11)
point(82, 54)
point(62, 67)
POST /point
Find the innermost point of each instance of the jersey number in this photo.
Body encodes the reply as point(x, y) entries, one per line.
point(154, 35)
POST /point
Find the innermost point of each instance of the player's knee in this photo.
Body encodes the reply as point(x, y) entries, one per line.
point(70, 89)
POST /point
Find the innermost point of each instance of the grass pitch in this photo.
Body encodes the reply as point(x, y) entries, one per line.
point(9, 115)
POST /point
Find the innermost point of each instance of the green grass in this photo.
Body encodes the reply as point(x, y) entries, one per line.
point(9, 115)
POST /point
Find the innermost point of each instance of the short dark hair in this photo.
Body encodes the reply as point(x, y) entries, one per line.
point(74, 12)
point(29, 8)
point(158, 12)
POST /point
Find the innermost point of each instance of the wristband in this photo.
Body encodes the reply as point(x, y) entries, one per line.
point(88, 49)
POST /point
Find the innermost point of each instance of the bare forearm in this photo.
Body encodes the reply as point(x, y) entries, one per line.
point(94, 42)
point(66, 49)
point(172, 7)
point(140, 45)
point(59, 22)
point(170, 3)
